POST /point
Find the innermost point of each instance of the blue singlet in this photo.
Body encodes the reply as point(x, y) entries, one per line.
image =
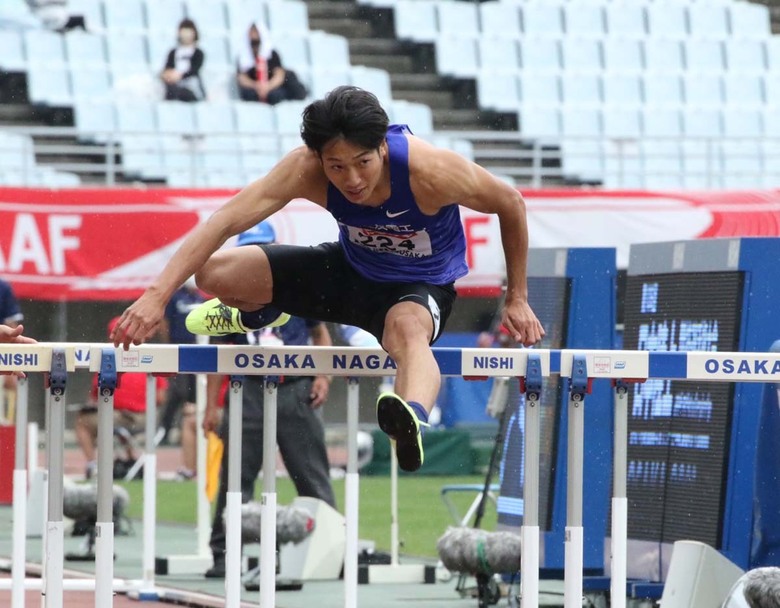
point(396, 241)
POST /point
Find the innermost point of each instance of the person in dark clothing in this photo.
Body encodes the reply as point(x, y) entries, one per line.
point(300, 432)
point(261, 76)
point(181, 74)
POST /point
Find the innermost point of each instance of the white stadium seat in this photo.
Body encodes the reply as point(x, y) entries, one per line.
point(663, 90)
point(44, 48)
point(744, 55)
point(497, 91)
point(372, 79)
point(84, 49)
point(626, 19)
point(577, 122)
point(668, 19)
point(95, 120)
point(287, 17)
point(127, 15)
point(750, 20)
point(498, 54)
point(416, 20)
point(456, 56)
point(540, 122)
point(663, 55)
point(661, 122)
point(328, 51)
point(708, 20)
point(542, 19)
point(581, 54)
point(214, 118)
point(540, 54)
point(622, 55)
point(164, 17)
point(584, 19)
point(621, 123)
point(703, 56)
point(581, 90)
point(176, 117)
point(703, 90)
point(12, 57)
point(90, 82)
point(539, 89)
point(458, 18)
point(743, 90)
point(622, 90)
point(500, 19)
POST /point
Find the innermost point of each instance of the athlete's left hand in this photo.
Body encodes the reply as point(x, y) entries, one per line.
point(319, 391)
point(521, 322)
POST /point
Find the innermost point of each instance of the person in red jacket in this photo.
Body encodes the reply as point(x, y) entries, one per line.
point(129, 411)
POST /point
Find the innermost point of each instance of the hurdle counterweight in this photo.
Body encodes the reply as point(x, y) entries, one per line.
point(268, 502)
point(574, 546)
point(54, 542)
point(529, 575)
point(233, 497)
point(619, 498)
point(20, 496)
point(352, 496)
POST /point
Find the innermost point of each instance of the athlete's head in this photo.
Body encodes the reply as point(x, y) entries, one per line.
point(347, 130)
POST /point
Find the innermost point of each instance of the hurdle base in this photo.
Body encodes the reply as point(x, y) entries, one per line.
point(396, 573)
point(282, 584)
point(182, 564)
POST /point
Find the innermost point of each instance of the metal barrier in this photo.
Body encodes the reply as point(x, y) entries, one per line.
point(580, 366)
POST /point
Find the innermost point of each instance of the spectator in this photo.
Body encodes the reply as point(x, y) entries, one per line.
point(181, 74)
point(181, 388)
point(10, 316)
point(300, 431)
point(129, 412)
point(261, 76)
point(54, 15)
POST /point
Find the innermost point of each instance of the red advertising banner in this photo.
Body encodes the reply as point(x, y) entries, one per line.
point(109, 244)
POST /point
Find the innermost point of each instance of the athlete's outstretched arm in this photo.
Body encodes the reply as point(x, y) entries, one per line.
point(451, 178)
point(291, 178)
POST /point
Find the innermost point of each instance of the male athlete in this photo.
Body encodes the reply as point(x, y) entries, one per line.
point(400, 249)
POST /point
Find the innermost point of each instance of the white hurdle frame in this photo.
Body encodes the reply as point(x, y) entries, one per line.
point(578, 365)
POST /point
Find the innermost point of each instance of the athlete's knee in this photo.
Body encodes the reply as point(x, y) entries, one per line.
point(402, 330)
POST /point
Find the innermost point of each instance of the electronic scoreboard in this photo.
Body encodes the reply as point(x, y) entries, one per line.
point(572, 291)
point(692, 449)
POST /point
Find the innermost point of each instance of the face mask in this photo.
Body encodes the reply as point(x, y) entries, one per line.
point(186, 35)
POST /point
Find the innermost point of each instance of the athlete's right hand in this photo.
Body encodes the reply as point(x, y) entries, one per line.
point(139, 322)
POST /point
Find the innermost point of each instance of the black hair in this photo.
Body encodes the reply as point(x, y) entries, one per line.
point(190, 24)
point(347, 112)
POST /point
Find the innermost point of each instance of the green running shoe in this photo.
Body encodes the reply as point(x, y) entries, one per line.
point(399, 421)
point(213, 318)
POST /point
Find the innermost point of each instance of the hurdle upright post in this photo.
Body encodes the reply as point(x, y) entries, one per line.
point(150, 486)
point(352, 496)
point(55, 538)
point(574, 547)
point(268, 503)
point(20, 496)
point(104, 526)
point(233, 497)
point(529, 576)
point(619, 497)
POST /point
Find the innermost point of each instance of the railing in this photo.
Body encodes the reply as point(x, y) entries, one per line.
point(646, 162)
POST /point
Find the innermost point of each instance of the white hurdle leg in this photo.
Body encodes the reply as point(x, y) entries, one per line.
point(352, 497)
point(529, 568)
point(233, 497)
point(268, 504)
point(573, 553)
point(54, 541)
point(20, 497)
point(104, 525)
point(620, 499)
point(150, 486)
point(204, 506)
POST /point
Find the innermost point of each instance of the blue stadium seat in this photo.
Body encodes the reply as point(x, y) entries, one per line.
point(163, 18)
point(136, 117)
point(542, 19)
point(216, 51)
point(539, 88)
point(497, 91)
point(254, 118)
point(498, 54)
point(703, 56)
point(581, 90)
point(500, 19)
point(328, 51)
point(663, 90)
point(745, 55)
point(581, 54)
point(85, 50)
point(91, 82)
point(708, 20)
point(743, 90)
point(749, 20)
point(294, 52)
point(703, 90)
point(458, 18)
point(372, 79)
point(12, 56)
point(456, 56)
point(584, 19)
point(128, 51)
point(625, 19)
point(667, 19)
point(126, 16)
point(416, 20)
point(287, 17)
point(624, 90)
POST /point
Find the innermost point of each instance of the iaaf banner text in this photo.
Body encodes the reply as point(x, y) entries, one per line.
point(111, 243)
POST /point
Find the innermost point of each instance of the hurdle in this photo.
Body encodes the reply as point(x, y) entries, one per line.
point(579, 366)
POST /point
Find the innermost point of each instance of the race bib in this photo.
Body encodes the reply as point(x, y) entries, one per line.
point(409, 245)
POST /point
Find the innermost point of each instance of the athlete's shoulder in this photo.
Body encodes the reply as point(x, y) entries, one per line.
point(300, 175)
point(437, 175)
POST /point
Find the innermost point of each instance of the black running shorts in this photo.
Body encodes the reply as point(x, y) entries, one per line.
point(319, 283)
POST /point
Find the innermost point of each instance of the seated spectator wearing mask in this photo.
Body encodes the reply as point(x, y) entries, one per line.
point(181, 74)
point(261, 76)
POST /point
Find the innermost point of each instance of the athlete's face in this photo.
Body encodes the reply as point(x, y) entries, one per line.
point(356, 171)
